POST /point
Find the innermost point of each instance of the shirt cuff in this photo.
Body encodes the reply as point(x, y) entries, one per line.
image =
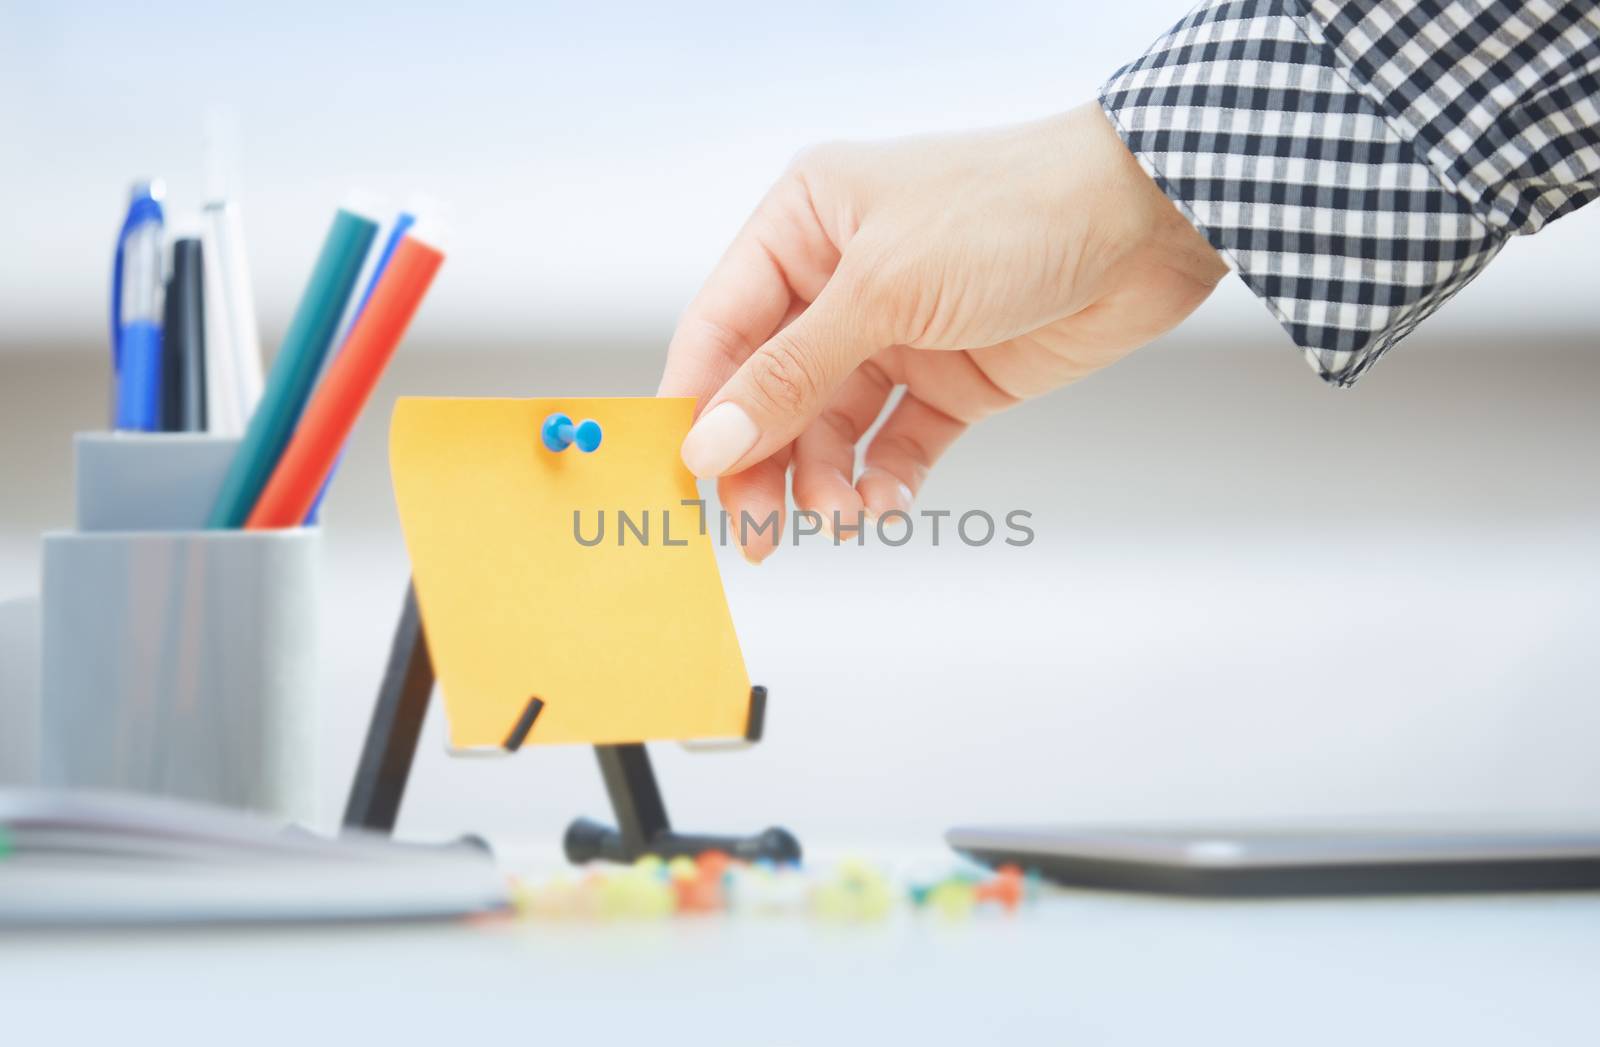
point(1324, 210)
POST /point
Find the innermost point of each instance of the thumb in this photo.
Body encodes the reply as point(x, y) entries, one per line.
point(785, 384)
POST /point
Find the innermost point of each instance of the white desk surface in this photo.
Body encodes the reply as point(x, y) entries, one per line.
point(1078, 967)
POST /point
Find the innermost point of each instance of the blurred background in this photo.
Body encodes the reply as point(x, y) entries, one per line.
point(1250, 595)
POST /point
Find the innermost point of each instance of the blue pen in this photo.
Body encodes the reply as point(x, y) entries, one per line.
point(402, 223)
point(136, 287)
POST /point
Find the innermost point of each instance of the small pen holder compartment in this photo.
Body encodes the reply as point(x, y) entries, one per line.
point(148, 481)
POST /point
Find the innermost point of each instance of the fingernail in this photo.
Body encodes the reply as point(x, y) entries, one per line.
point(901, 501)
point(749, 557)
point(721, 437)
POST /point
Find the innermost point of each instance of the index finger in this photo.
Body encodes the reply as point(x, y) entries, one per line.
point(777, 264)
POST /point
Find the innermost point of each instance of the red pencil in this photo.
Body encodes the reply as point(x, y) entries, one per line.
point(354, 373)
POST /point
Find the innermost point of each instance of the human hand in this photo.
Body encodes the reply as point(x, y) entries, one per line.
point(975, 270)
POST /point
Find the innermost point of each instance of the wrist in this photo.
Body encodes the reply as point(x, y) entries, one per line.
point(1151, 220)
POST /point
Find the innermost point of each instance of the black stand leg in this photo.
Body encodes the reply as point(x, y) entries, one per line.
point(635, 797)
point(642, 827)
point(391, 744)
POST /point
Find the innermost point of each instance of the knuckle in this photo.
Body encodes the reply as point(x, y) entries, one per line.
point(816, 159)
point(874, 373)
point(723, 341)
point(903, 447)
point(839, 422)
point(786, 379)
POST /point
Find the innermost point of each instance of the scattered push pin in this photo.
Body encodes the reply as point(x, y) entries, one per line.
point(1006, 887)
point(558, 433)
point(856, 892)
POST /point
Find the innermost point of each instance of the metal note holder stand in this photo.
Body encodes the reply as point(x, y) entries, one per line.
point(641, 815)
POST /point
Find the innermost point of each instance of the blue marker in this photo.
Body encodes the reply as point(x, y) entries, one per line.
point(136, 287)
point(402, 223)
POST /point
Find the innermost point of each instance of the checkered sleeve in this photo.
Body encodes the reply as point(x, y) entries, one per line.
point(1358, 162)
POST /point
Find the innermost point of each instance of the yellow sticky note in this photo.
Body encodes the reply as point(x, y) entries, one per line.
point(626, 639)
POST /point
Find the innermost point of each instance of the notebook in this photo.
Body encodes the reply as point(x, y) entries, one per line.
point(83, 857)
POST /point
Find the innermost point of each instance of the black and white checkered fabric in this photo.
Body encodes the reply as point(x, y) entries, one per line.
point(1359, 162)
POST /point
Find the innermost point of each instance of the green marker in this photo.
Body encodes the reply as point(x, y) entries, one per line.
point(294, 372)
point(5, 842)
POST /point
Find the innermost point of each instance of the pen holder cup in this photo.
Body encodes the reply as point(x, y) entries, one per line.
point(19, 691)
point(182, 663)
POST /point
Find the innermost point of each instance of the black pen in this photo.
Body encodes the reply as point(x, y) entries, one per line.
point(183, 401)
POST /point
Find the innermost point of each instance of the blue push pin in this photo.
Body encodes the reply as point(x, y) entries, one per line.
point(558, 433)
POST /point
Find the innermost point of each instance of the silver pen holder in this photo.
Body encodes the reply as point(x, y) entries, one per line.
point(177, 661)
